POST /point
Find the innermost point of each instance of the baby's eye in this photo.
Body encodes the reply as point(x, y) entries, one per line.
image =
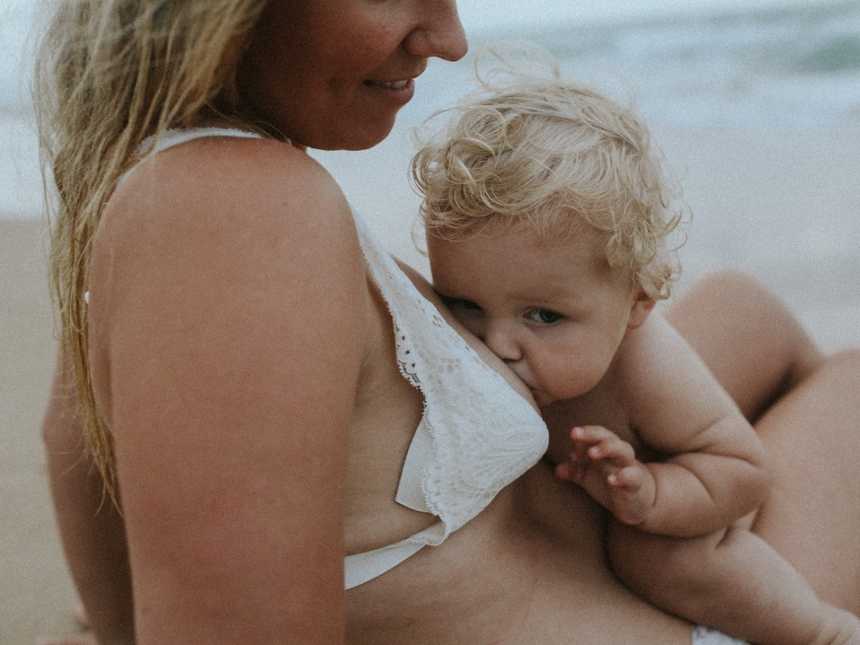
point(543, 316)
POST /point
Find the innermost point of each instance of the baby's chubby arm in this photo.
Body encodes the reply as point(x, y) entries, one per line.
point(715, 469)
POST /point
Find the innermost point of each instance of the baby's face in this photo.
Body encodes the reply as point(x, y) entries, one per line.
point(555, 313)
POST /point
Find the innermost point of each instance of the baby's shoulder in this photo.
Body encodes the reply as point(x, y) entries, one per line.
point(647, 362)
point(655, 368)
point(653, 344)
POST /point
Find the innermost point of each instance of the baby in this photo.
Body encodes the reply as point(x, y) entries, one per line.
point(547, 220)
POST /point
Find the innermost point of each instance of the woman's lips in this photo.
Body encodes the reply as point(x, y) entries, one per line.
point(390, 85)
point(400, 91)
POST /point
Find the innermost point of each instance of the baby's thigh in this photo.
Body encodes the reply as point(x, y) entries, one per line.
point(812, 517)
point(747, 337)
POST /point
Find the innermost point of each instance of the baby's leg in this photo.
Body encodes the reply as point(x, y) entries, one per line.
point(751, 342)
point(811, 433)
point(731, 580)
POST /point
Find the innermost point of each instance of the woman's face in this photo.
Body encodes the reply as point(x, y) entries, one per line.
point(332, 74)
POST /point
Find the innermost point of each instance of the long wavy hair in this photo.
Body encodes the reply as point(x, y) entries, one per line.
point(110, 74)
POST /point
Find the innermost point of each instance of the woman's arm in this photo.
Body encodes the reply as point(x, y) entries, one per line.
point(235, 307)
point(715, 471)
point(91, 529)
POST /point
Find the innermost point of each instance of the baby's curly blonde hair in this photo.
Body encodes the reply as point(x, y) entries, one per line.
point(550, 154)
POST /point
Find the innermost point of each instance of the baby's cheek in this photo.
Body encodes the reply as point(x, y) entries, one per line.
point(571, 379)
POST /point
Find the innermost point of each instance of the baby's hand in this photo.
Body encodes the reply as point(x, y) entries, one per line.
point(606, 467)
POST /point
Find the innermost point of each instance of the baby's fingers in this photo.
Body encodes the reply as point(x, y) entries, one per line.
point(629, 478)
point(590, 435)
point(619, 453)
point(564, 471)
point(585, 437)
point(595, 443)
point(582, 438)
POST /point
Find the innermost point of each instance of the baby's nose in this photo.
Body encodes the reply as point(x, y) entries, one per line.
point(500, 337)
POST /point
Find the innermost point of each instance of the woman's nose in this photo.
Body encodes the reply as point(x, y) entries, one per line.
point(440, 34)
point(501, 340)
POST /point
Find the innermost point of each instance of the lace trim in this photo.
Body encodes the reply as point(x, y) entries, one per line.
point(472, 457)
point(707, 636)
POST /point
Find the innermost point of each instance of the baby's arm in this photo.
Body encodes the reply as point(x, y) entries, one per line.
point(725, 577)
point(714, 471)
point(607, 468)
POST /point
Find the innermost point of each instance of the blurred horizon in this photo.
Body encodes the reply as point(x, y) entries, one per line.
point(704, 64)
point(483, 20)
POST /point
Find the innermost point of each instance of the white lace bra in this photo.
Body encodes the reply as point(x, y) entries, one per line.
point(476, 436)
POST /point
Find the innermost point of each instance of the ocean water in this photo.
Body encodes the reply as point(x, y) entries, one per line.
point(787, 65)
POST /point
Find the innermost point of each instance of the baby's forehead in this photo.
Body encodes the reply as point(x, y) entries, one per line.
point(572, 237)
point(543, 256)
point(581, 243)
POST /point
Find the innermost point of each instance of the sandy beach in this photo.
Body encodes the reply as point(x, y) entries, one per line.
point(784, 205)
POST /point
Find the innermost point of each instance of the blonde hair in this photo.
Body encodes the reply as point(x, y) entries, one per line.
point(550, 154)
point(110, 74)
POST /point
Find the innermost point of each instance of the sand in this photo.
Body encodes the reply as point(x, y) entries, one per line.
point(784, 205)
point(34, 584)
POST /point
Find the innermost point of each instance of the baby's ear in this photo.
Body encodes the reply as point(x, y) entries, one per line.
point(640, 309)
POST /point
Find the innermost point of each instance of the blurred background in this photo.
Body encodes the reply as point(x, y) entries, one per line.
point(684, 63)
point(754, 103)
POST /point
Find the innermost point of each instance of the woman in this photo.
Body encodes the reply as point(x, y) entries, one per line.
point(239, 344)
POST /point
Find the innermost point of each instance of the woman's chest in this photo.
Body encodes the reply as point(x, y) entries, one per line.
point(530, 569)
point(387, 411)
point(433, 424)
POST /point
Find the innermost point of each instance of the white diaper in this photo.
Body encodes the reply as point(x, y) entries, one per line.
point(708, 636)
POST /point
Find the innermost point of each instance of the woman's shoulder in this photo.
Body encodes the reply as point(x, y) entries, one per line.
point(213, 197)
point(226, 222)
point(236, 183)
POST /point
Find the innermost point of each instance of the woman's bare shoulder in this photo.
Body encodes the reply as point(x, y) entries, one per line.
point(234, 254)
point(227, 185)
point(224, 214)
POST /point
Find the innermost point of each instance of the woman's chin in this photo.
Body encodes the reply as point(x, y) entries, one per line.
point(361, 137)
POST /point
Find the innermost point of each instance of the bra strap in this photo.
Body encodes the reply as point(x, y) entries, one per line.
point(172, 138)
point(177, 137)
